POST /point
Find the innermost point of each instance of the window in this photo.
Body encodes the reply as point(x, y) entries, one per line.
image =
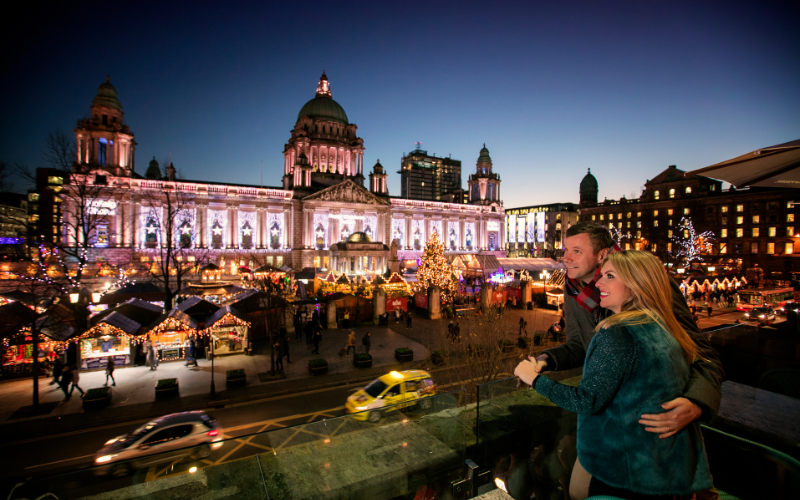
point(685, 233)
point(723, 248)
point(629, 215)
point(655, 247)
point(723, 233)
point(755, 232)
point(627, 246)
point(789, 231)
point(655, 194)
point(672, 193)
point(756, 219)
point(770, 248)
point(789, 217)
point(712, 188)
point(789, 248)
point(655, 213)
point(723, 209)
point(669, 212)
point(619, 216)
point(685, 211)
point(689, 190)
point(35, 197)
point(754, 247)
point(739, 232)
point(670, 222)
point(669, 247)
point(602, 217)
point(638, 223)
point(638, 214)
point(655, 223)
point(740, 208)
point(740, 220)
point(669, 233)
point(593, 217)
point(55, 180)
point(638, 234)
point(628, 224)
point(724, 220)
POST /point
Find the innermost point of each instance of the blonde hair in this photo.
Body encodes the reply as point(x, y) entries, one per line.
point(651, 297)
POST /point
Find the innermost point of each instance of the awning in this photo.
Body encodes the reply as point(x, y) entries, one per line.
point(775, 166)
point(530, 264)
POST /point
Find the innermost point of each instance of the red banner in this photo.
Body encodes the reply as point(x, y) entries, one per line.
point(421, 300)
point(400, 303)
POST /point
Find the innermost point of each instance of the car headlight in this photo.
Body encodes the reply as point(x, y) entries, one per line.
point(762, 316)
point(746, 315)
point(104, 458)
point(361, 408)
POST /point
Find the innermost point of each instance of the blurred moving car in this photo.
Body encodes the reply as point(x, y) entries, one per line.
point(394, 388)
point(761, 314)
point(790, 305)
point(191, 433)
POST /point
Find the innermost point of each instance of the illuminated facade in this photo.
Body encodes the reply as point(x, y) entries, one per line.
point(538, 231)
point(301, 224)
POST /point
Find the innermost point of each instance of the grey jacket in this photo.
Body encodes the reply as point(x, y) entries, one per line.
point(706, 375)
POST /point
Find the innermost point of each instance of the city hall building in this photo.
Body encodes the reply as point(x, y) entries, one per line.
point(312, 219)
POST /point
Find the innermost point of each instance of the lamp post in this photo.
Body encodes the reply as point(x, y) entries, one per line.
point(213, 387)
point(544, 276)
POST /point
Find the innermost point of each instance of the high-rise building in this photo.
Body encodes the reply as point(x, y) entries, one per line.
point(539, 231)
point(428, 177)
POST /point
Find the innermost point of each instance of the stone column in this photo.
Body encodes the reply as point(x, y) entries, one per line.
point(408, 232)
point(200, 227)
point(462, 239)
point(135, 224)
point(287, 228)
point(378, 305)
point(434, 302)
point(332, 315)
point(119, 217)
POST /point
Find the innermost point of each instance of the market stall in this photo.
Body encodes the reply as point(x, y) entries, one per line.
point(228, 331)
point(171, 334)
point(112, 336)
point(54, 332)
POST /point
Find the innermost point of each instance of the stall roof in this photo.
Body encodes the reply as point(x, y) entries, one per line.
point(177, 315)
point(145, 291)
point(58, 323)
point(221, 313)
point(210, 289)
point(122, 322)
point(19, 296)
point(308, 273)
point(268, 269)
point(137, 310)
point(483, 264)
point(13, 317)
point(197, 307)
point(210, 267)
point(254, 300)
point(530, 264)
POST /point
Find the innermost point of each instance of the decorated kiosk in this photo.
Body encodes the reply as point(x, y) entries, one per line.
point(228, 331)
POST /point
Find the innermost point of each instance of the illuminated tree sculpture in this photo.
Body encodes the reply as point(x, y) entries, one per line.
point(435, 270)
point(687, 243)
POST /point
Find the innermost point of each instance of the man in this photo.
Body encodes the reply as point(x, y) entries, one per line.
point(285, 347)
point(366, 342)
point(316, 340)
point(351, 342)
point(586, 245)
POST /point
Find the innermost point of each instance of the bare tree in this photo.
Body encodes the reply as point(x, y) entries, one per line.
point(170, 229)
point(59, 151)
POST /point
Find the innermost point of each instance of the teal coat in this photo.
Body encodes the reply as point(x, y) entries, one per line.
point(631, 370)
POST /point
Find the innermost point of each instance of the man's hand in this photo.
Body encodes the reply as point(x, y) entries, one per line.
point(540, 362)
point(680, 413)
point(526, 371)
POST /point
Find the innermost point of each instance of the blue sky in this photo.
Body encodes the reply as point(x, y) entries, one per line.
point(552, 88)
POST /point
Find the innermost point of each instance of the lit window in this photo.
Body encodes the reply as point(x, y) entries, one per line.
point(723, 233)
point(739, 232)
point(629, 215)
point(685, 233)
point(33, 196)
point(655, 194)
point(602, 216)
point(670, 222)
point(610, 216)
point(655, 213)
point(669, 247)
point(723, 248)
point(789, 248)
point(655, 223)
point(724, 209)
point(638, 214)
point(669, 233)
point(669, 212)
point(672, 193)
point(685, 211)
point(689, 190)
point(619, 216)
point(789, 217)
point(638, 234)
point(593, 217)
point(639, 223)
point(755, 232)
point(740, 220)
point(789, 231)
point(740, 208)
point(628, 225)
point(756, 219)
point(627, 246)
point(754, 247)
point(770, 248)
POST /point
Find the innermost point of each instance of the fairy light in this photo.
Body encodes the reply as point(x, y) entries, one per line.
point(434, 270)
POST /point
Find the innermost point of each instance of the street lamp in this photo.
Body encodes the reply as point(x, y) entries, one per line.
point(544, 276)
point(96, 297)
point(213, 387)
point(74, 297)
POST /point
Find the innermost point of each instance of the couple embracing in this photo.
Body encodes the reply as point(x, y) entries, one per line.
point(649, 376)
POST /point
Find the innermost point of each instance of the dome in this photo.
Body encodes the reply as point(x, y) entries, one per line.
point(484, 155)
point(589, 182)
point(359, 238)
point(378, 168)
point(107, 96)
point(323, 108)
point(153, 170)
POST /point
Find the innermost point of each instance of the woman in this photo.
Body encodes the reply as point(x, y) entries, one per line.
point(76, 379)
point(639, 358)
point(150, 354)
point(110, 370)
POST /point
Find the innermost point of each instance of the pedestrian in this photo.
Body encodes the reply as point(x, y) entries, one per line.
point(150, 354)
point(192, 357)
point(351, 342)
point(285, 345)
point(316, 340)
point(284, 333)
point(709, 309)
point(110, 371)
point(346, 320)
point(76, 378)
point(397, 315)
point(456, 332)
point(309, 330)
point(408, 320)
point(521, 324)
point(298, 327)
point(450, 334)
point(66, 378)
point(58, 367)
point(366, 342)
point(278, 356)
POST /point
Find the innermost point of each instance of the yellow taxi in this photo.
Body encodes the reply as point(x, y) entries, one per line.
point(394, 390)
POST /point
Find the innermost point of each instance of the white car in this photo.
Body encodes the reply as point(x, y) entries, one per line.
point(191, 433)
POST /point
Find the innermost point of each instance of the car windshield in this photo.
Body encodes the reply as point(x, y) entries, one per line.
point(375, 388)
point(138, 433)
point(761, 309)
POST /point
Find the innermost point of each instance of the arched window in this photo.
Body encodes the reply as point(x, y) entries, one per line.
point(453, 240)
point(185, 235)
point(368, 231)
point(469, 239)
point(247, 235)
point(151, 233)
point(417, 239)
point(345, 232)
point(216, 235)
point(319, 234)
point(274, 236)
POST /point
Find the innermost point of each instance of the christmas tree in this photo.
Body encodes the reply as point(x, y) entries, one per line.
point(435, 270)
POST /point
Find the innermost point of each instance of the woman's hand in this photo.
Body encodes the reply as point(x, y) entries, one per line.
point(527, 371)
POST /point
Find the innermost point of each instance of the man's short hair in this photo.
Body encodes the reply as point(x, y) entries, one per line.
point(599, 236)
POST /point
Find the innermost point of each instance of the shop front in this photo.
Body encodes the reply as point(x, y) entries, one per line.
point(172, 335)
point(95, 352)
point(228, 332)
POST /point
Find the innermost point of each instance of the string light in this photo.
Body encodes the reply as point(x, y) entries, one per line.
point(434, 270)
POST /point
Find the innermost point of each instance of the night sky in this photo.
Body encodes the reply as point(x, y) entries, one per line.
point(552, 88)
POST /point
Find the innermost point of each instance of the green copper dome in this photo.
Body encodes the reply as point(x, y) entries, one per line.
point(323, 108)
point(484, 156)
point(107, 96)
point(153, 170)
point(589, 182)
